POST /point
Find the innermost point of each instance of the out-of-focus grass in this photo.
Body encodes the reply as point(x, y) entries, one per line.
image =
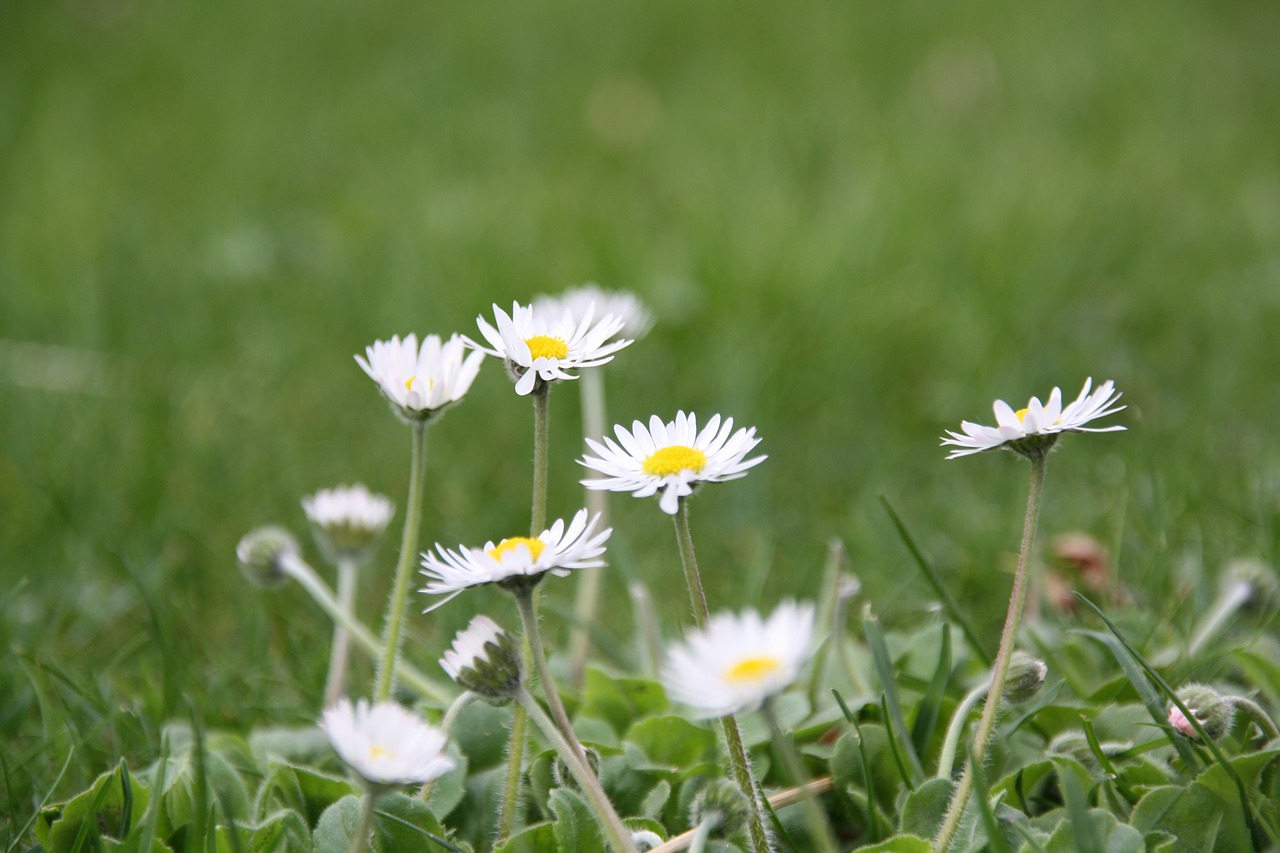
point(857, 224)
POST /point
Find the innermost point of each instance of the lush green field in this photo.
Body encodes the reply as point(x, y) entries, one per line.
point(856, 224)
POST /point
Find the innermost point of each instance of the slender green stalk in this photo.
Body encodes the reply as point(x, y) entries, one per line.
point(1253, 711)
point(392, 628)
point(541, 430)
point(1000, 669)
point(446, 726)
point(701, 835)
point(947, 758)
point(819, 826)
point(515, 770)
point(590, 584)
point(298, 569)
point(739, 762)
point(529, 620)
point(618, 834)
point(336, 681)
point(360, 841)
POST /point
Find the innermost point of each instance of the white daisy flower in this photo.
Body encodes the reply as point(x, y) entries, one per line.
point(738, 661)
point(671, 457)
point(347, 520)
point(555, 550)
point(385, 744)
point(540, 345)
point(1035, 428)
point(420, 381)
point(484, 659)
point(626, 306)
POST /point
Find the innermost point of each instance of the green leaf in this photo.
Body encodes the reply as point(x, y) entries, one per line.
point(103, 809)
point(904, 843)
point(481, 732)
point(1199, 819)
point(656, 800)
point(851, 772)
point(925, 808)
point(930, 706)
point(539, 838)
point(889, 684)
point(1109, 835)
point(404, 823)
point(449, 788)
point(621, 701)
point(576, 827)
point(672, 742)
point(337, 825)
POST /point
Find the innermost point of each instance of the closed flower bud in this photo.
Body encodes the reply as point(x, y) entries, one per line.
point(484, 659)
point(262, 553)
point(646, 840)
point(564, 776)
point(721, 804)
point(1212, 710)
point(1026, 677)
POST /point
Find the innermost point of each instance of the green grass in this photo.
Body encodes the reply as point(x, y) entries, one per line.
point(857, 224)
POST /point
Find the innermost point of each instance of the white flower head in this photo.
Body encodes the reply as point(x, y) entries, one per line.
point(519, 559)
point(670, 457)
point(738, 661)
point(348, 520)
point(484, 659)
point(421, 380)
point(542, 345)
point(626, 306)
point(1032, 430)
point(386, 744)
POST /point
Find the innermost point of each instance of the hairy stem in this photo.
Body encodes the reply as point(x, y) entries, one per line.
point(336, 681)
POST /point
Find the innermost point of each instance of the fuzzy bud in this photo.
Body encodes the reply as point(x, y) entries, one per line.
point(722, 804)
point(1212, 710)
point(564, 776)
point(646, 840)
point(1025, 678)
point(484, 659)
point(262, 553)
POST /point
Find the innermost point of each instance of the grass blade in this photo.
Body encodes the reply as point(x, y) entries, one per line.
point(930, 707)
point(884, 667)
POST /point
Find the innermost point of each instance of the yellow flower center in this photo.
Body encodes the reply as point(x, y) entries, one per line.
point(408, 383)
point(377, 751)
point(535, 547)
point(1021, 413)
point(542, 346)
point(673, 460)
point(752, 669)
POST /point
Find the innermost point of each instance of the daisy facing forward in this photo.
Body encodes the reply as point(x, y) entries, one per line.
point(1034, 429)
point(671, 457)
point(542, 345)
point(385, 744)
point(556, 550)
point(421, 380)
point(348, 520)
point(737, 661)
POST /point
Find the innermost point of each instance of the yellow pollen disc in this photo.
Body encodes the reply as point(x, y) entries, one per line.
point(752, 669)
point(535, 546)
point(541, 346)
point(1021, 413)
point(673, 460)
point(408, 383)
point(376, 752)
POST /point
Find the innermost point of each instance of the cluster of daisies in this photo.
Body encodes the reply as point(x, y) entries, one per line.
point(733, 662)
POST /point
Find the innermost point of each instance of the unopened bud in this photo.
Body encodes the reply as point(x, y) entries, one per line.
point(721, 804)
point(262, 553)
point(484, 659)
point(646, 840)
point(1025, 678)
point(1212, 710)
point(564, 776)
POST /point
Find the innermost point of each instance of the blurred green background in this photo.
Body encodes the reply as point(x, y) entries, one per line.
point(856, 224)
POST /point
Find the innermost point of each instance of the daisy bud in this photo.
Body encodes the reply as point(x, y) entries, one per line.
point(646, 840)
point(347, 521)
point(564, 776)
point(1026, 677)
point(484, 659)
point(261, 554)
point(1212, 710)
point(722, 804)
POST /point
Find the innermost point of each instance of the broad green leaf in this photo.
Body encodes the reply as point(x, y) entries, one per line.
point(120, 801)
point(576, 827)
point(447, 791)
point(621, 701)
point(672, 742)
point(337, 825)
point(404, 824)
point(539, 838)
point(850, 775)
point(1110, 835)
point(481, 732)
point(925, 808)
point(904, 843)
point(1199, 819)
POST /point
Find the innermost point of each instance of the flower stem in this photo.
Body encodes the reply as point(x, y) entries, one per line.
point(408, 552)
point(529, 620)
point(360, 841)
point(541, 427)
point(515, 769)
point(336, 681)
point(590, 584)
point(739, 763)
point(1000, 669)
point(1259, 717)
point(298, 569)
point(618, 834)
point(819, 826)
point(947, 758)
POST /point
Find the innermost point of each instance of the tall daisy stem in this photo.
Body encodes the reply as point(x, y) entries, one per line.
point(394, 623)
point(541, 428)
point(618, 834)
point(529, 621)
point(590, 584)
point(1000, 669)
point(360, 841)
point(336, 681)
point(739, 762)
point(819, 826)
point(947, 758)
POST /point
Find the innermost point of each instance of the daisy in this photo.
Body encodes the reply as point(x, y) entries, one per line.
point(1034, 428)
point(739, 661)
point(348, 519)
point(484, 660)
point(672, 457)
point(540, 345)
point(385, 744)
point(555, 550)
point(420, 381)
point(635, 317)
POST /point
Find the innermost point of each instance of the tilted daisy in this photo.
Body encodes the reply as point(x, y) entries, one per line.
point(421, 380)
point(518, 559)
point(485, 660)
point(671, 457)
point(541, 345)
point(636, 319)
point(738, 661)
point(348, 520)
point(1031, 431)
point(386, 744)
